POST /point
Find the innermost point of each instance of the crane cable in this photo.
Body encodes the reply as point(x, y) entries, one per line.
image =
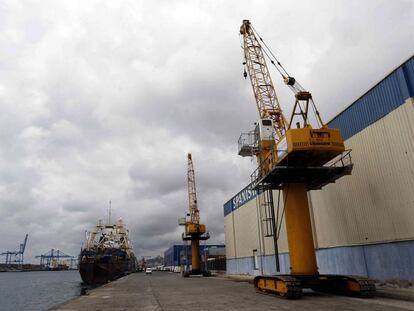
point(244, 56)
point(296, 87)
point(271, 53)
point(266, 53)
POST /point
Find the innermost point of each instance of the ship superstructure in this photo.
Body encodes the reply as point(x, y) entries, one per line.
point(107, 254)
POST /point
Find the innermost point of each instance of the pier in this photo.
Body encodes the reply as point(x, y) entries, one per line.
point(169, 291)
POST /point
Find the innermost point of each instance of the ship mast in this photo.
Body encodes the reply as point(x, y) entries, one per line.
point(109, 213)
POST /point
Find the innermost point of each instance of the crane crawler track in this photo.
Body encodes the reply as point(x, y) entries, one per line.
point(355, 286)
point(367, 288)
point(285, 286)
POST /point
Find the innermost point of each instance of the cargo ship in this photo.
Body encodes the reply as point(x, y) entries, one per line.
point(106, 254)
point(56, 265)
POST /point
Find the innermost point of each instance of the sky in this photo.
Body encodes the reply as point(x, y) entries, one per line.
point(102, 100)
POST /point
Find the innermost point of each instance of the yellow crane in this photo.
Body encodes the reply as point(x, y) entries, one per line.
point(194, 230)
point(293, 157)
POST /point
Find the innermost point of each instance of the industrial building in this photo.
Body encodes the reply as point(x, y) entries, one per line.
point(176, 255)
point(363, 223)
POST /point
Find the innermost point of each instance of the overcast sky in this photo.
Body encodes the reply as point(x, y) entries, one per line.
point(102, 100)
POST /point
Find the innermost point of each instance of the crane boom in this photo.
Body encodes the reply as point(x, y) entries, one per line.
point(192, 196)
point(23, 245)
point(263, 88)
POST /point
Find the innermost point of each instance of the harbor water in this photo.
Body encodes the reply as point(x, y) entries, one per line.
point(37, 291)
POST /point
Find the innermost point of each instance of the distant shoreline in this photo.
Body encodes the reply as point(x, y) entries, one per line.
point(25, 268)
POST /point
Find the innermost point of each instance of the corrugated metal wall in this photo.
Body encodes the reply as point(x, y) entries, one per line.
point(376, 203)
point(267, 243)
point(229, 239)
point(246, 229)
point(245, 233)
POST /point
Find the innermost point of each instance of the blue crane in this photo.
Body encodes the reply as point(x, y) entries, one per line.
point(50, 260)
point(16, 257)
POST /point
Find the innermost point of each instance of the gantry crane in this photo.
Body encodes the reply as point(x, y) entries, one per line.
point(52, 260)
point(292, 158)
point(194, 230)
point(16, 257)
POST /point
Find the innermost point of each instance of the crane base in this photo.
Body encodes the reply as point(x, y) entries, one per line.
point(284, 286)
point(290, 286)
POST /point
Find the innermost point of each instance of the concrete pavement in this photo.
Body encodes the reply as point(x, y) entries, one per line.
point(171, 292)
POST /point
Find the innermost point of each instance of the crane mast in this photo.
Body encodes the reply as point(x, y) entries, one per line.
point(294, 161)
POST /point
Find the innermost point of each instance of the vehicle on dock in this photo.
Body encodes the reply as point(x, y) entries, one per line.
point(107, 254)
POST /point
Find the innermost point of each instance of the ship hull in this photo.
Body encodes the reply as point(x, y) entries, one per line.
point(99, 269)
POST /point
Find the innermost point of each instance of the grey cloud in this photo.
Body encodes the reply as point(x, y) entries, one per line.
point(103, 101)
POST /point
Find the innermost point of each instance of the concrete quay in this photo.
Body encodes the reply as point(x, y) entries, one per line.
point(169, 292)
